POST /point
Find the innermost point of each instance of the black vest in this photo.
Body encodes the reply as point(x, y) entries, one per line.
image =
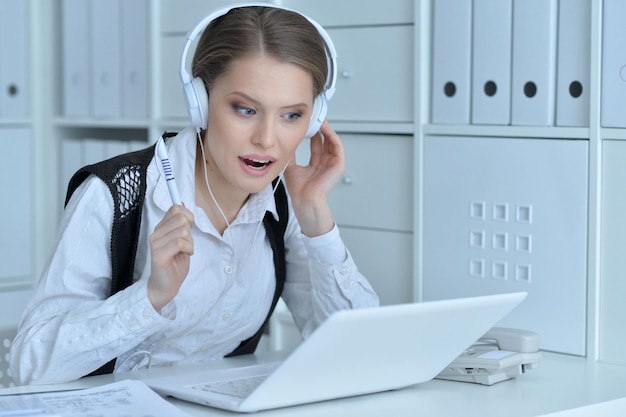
point(125, 175)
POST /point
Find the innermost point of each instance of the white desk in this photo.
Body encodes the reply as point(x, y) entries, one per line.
point(561, 383)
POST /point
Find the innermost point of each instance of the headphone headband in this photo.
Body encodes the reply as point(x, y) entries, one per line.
point(195, 92)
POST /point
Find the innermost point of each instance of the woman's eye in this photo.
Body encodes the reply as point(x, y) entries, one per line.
point(246, 111)
point(293, 116)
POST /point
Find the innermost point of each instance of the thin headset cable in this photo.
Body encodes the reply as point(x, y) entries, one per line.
point(208, 186)
point(206, 180)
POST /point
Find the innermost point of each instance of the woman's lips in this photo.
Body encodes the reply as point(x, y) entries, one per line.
point(256, 166)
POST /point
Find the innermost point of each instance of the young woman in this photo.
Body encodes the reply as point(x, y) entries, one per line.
point(205, 276)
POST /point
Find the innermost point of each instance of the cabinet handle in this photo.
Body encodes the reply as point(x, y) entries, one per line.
point(346, 74)
point(347, 179)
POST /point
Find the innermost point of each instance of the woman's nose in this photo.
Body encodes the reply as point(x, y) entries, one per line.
point(265, 134)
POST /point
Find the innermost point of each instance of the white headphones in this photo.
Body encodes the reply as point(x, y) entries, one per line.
point(195, 92)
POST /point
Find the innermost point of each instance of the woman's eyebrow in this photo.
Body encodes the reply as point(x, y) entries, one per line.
point(256, 102)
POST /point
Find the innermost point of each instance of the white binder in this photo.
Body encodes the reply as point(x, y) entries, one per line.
point(573, 63)
point(452, 21)
point(534, 62)
point(135, 45)
point(105, 58)
point(613, 99)
point(76, 67)
point(491, 64)
point(13, 59)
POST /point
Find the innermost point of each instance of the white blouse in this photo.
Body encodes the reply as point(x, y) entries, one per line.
point(70, 327)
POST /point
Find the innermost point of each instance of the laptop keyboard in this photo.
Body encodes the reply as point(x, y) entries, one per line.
point(240, 388)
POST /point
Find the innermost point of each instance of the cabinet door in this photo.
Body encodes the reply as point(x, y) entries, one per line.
point(375, 74)
point(16, 211)
point(376, 189)
point(385, 259)
point(612, 251)
point(505, 215)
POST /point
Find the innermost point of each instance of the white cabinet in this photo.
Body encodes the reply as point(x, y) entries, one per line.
point(576, 274)
point(373, 203)
point(374, 190)
point(373, 208)
point(505, 215)
point(374, 81)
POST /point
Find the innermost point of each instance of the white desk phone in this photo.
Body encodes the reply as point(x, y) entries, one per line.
point(502, 353)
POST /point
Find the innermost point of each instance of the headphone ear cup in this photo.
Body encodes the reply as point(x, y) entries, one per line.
point(318, 115)
point(197, 102)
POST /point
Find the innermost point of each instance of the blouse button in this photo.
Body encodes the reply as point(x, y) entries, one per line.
point(228, 270)
point(226, 316)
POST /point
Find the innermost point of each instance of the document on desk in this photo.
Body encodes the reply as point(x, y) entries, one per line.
point(120, 399)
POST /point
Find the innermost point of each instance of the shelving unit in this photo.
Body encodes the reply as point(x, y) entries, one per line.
point(382, 110)
point(604, 243)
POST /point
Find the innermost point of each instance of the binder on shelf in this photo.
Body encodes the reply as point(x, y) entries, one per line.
point(491, 64)
point(573, 63)
point(105, 58)
point(613, 96)
point(76, 55)
point(452, 21)
point(534, 62)
point(14, 48)
point(135, 45)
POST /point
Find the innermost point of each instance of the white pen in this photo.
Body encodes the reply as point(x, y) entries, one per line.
point(168, 171)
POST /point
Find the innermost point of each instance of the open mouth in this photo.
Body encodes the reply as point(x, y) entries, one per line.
point(256, 163)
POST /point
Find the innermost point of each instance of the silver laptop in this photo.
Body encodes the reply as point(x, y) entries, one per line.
point(354, 352)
